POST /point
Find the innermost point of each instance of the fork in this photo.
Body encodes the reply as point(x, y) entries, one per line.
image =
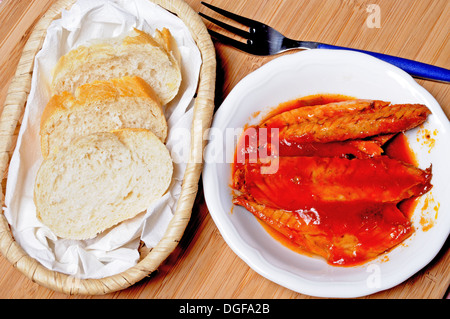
point(264, 40)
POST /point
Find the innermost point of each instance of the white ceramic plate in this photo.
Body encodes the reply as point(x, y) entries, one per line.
point(337, 72)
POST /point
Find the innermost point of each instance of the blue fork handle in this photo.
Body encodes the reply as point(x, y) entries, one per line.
point(414, 68)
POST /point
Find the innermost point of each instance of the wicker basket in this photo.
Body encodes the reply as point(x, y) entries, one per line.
point(9, 124)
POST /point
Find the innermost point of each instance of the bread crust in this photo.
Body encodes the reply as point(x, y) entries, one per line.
point(88, 95)
point(161, 47)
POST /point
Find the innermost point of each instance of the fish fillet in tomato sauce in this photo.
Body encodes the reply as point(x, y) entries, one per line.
point(346, 234)
point(340, 199)
point(344, 120)
point(308, 181)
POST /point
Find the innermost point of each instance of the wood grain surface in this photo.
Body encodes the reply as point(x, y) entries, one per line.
point(203, 266)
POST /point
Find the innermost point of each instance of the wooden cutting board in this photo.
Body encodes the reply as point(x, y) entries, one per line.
point(203, 266)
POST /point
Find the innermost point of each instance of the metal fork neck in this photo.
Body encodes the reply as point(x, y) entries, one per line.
point(294, 44)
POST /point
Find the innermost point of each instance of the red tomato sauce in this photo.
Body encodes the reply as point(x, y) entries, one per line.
point(346, 218)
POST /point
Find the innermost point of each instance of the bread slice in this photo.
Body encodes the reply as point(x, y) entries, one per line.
point(100, 180)
point(127, 102)
point(155, 59)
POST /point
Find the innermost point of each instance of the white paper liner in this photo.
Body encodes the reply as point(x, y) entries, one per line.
point(115, 250)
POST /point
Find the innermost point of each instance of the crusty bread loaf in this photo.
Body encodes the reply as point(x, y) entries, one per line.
point(127, 102)
point(155, 59)
point(100, 180)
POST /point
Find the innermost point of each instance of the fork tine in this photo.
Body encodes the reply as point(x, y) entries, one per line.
point(228, 27)
point(226, 40)
point(245, 21)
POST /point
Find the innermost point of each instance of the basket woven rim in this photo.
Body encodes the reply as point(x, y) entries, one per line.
point(203, 111)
